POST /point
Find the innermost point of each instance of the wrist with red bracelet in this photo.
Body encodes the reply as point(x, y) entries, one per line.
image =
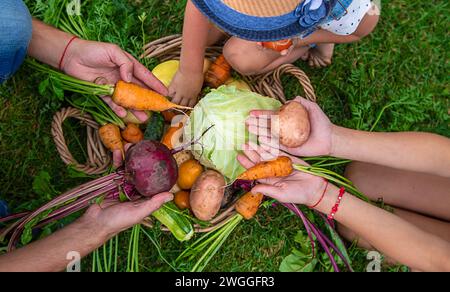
point(65, 52)
point(335, 208)
point(321, 197)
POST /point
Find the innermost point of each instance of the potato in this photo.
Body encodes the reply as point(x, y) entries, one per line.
point(294, 124)
point(207, 194)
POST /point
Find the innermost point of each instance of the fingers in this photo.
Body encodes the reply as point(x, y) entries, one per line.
point(257, 113)
point(120, 111)
point(309, 105)
point(118, 156)
point(147, 77)
point(121, 59)
point(245, 161)
point(268, 190)
point(140, 115)
point(143, 208)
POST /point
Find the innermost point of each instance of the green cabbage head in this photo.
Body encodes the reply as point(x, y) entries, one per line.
point(226, 109)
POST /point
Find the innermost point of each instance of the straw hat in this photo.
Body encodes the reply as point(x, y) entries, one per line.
point(267, 20)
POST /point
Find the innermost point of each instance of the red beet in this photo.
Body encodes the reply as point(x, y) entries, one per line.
point(151, 168)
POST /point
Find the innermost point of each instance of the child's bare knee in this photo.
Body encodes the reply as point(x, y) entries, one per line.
point(239, 57)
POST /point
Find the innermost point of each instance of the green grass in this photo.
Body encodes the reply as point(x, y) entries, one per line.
point(404, 63)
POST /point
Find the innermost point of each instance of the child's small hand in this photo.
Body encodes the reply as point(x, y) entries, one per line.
point(298, 188)
point(320, 139)
point(185, 88)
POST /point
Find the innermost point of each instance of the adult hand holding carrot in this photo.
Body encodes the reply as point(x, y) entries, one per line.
point(299, 187)
point(107, 63)
point(91, 61)
point(320, 138)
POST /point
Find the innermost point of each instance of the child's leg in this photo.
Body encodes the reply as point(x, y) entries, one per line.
point(418, 192)
point(249, 58)
point(321, 55)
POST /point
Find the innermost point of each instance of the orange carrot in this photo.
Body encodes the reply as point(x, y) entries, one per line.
point(168, 115)
point(282, 166)
point(171, 134)
point(132, 134)
point(219, 72)
point(132, 96)
point(248, 204)
point(110, 136)
point(278, 46)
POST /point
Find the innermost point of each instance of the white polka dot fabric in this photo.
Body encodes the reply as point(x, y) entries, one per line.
point(348, 23)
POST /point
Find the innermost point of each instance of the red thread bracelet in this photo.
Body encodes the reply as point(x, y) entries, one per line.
point(336, 206)
point(321, 197)
point(65, 51)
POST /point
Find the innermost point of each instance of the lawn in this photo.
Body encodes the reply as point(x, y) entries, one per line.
point(400, 70)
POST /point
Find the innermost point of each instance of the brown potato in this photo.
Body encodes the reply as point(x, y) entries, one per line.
point(294, 124)
point(207, 194)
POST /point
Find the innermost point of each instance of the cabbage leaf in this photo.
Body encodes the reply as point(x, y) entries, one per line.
point(226, 109)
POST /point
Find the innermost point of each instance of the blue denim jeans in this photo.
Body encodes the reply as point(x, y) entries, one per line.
point(15, 36)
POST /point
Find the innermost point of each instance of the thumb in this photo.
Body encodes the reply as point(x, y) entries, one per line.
point(268, 190)
point(146, 207)
point(126, 65)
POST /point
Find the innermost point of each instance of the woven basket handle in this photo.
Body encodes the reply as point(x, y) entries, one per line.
point(99, 159)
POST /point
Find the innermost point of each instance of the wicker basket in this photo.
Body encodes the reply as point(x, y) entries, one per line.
point(169, 48)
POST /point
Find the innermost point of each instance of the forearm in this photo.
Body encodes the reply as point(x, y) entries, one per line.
point(413, 151)
point(195, 36)
point(49, 254)
point(323, 36)
point(48, 43)
point(390, 234)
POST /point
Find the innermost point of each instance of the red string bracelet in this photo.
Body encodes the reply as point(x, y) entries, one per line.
point(65, 51)
point(336, 206)
point(321, 197)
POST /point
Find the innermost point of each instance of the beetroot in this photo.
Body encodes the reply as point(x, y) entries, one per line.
point(151, 168)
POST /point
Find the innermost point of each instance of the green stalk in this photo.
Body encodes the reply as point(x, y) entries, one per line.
point(214, 248)
point(116, 252)
point(72, 84)
point(158, 249)
point(333, 177)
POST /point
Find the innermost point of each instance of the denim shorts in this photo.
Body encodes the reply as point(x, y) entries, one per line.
point(15, 36)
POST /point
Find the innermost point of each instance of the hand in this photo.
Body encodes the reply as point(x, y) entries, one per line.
point(320, 139)
point(110, 218)
point(298, 188)
point(107, 63)
point(118, 155)
point(185, 88)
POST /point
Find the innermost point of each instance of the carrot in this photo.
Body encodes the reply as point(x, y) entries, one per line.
point(110, 136)
point(219, 72)
point(282, 166)
point(278, 46)
point(132, 134)
point(168, 115)
point(132, 96)
point(248, 205)
point(171, 134)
